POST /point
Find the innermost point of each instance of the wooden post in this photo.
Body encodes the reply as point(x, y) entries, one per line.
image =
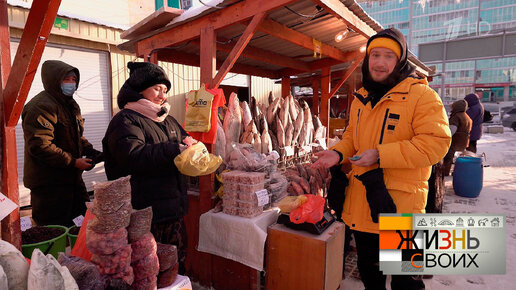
point(325, 98)
point(285, 86)
point(315, 98)
point(14, 93)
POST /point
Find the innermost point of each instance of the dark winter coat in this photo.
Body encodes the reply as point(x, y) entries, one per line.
point(476, 113)
point(53, 129)
point(137, 146)
point(459, 119)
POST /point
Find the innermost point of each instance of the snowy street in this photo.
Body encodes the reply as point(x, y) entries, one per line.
point(498, 196)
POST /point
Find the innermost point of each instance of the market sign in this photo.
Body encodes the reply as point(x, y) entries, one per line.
point(442, 244)
point(61, 23)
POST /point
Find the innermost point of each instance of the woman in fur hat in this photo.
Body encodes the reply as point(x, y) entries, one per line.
point(142, 140)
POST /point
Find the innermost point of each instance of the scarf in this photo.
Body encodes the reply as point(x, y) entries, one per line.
point(155, 112)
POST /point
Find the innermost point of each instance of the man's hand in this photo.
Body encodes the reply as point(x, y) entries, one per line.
point(83, 163)
point(367, 158)
point(327, 159)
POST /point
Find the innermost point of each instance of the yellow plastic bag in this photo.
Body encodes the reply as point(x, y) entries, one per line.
point(198, 111)
point(290, 203)
point(196, 161)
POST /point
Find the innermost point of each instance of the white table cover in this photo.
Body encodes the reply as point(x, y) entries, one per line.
point(236, 238)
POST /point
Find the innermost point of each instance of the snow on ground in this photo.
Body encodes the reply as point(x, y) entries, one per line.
point(498, 196)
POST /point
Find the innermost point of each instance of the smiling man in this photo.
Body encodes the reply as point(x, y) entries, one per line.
point(397, 130)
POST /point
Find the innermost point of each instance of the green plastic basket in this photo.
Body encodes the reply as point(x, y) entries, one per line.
point(53, 246)
point(72, 238)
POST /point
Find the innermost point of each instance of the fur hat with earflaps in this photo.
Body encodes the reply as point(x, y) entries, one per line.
point(142, 75)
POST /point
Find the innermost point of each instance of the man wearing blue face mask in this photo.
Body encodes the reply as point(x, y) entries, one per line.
point(55, 148)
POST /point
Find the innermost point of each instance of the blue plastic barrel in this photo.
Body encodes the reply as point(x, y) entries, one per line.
point(468, 176)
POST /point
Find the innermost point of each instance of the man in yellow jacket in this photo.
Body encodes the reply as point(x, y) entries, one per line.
point(397, 130)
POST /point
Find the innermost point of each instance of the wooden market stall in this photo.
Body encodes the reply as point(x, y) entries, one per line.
point(288, 40)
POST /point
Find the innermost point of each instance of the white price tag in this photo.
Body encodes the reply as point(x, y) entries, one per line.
point(263, 197)
point(289, 151)
point(6, 206)
point(78, 221)
point(322, 142)
point(25, 223)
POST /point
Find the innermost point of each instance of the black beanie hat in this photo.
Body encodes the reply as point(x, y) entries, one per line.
point(143, 75)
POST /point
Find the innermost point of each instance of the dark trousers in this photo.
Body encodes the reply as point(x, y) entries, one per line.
point(58, 204)
point(369, 266)
point(472, 146)
point(173, 233)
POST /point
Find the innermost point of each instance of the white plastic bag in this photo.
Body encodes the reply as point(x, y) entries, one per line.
point(14, 265)
point(3, 279)
point(43, 274)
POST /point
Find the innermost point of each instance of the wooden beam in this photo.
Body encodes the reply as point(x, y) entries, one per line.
point(237, 50)
point(263, 55)
point(221, 18)
point(340, 11)
point(315, 94)
point(208, 61)
point(320, 63)
point(281, 31)
point(349, 71)
point(32, 43)
point(5, 49)
point(325, 97)
point(179, 57)
point(351, 90)
point(285, 86)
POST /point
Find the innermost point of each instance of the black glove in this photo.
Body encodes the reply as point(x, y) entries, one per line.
point(96, 157)
point(378, 197)
point(337, 190)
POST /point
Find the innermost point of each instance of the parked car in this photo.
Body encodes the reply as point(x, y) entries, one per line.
point(509, 118)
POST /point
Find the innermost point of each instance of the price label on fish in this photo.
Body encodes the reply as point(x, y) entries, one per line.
point(6, 206)
point(263, 197)
point(289, 151)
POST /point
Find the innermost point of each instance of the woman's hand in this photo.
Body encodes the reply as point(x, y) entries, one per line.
point(327, 159)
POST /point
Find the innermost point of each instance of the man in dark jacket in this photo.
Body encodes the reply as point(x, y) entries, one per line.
point(142, 140)
point(54, 148)
point(476, 113)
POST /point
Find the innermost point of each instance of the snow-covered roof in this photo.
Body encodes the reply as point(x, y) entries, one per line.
point(104, 22)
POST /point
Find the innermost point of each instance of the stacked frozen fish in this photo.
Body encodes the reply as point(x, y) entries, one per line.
point(240, 193)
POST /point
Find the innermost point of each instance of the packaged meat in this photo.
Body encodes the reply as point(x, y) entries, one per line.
point(230, 210)
point(230, 194)
point(110, 207)
point(250, 213)
point(117, 284)
point(229, 202)
point(105, 244)
point(126, 275)
point(278, 187)
point(149, 283)
point(143, 247)
point(231, 176)
point(114, 263)
point(85, 273)
point(166, 278)
point(251, 188)
point(110, 191)
point(248, 205)
point(251, 178)
point(167, 256)
point(140, 224)
point(230, 186)
point(146, 267)
point(110, 222)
